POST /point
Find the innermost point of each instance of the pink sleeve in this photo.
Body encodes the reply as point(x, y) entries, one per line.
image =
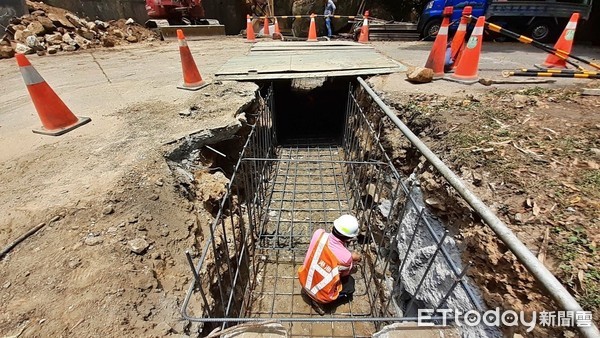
point(313, 242)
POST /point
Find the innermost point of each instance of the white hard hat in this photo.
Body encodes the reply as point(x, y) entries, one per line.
point(347, 225)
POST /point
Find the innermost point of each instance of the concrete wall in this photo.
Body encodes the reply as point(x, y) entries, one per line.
point(10, 8)
point(105, 9)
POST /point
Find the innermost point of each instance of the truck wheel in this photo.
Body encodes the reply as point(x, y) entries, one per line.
point(431, 29)
point(541, 30)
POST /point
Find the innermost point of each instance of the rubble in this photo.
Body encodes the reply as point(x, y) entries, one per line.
point(50, 29)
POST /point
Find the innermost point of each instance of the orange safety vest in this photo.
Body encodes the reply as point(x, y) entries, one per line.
point(321, 278)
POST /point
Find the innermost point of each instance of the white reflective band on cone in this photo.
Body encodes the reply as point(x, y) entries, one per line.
point(477, 31)
point(462, 27)
point(366, 22)
point(182, 43)
point(31, 76)
point(572, 25)
point(443, 31)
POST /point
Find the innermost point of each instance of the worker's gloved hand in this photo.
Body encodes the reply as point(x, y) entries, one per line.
point(356, 257)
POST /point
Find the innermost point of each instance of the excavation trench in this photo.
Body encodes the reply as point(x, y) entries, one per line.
point(304, 156)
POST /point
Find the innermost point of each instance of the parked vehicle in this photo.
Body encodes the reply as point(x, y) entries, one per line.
point(541, 20)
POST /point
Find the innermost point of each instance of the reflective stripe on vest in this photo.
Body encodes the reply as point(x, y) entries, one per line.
point(30, 75)
point(314, 266)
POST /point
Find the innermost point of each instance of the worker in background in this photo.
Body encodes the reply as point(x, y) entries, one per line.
point(259, 9)
point(329, 12)
point(325, 274)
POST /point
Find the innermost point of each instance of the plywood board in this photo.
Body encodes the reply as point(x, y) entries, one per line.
point(277, 60)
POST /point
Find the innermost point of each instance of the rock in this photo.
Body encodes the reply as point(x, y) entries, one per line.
point(22, 35)
point(108, 41)
point(6, 52)
point(66, 38)
point(74, 262)
point(118, 33)
point(53, 50)
point(33, 42)
point(75, 20)
point(163, 329)
point(36, 28)
point(518, 218)
point(82, 42)
point(434, 203)
point(477, 179)
point(60, 20)
point(93, 240)
point(53, 39)
point(23, 49)
point(211, 187)
point(86, 33)
point(138, 245)
point(595, 151)
point(132, 38)
point(6, 285)
point(112, 230)
point(69, 48)
point(91, 26)
point(46, 23)
point(38, 13)
point(385, 207)
point(129, 21)
point(101, 24)
point(41, 52)
point(109, 209)
point(520, 98)
point(153, 197)
point(419, 75)
point(159, 182)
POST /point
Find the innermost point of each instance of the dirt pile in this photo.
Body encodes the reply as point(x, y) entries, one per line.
point(48, 29)
point(532, 156)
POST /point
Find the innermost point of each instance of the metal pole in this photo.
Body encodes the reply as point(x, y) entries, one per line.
point(556, 290)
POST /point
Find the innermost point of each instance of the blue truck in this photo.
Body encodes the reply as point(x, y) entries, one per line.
point(542, 20)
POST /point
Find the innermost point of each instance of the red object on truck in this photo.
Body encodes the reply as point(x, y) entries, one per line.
point(175, 10)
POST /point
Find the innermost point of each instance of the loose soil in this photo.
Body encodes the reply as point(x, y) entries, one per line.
point(533, 156)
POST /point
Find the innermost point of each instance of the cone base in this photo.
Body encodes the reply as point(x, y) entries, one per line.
point(312, 40)
point(548, 66)
point(468, 81)
point(57, 132)
point(194, 88)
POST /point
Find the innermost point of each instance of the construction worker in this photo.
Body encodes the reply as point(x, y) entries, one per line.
point(325, 274)
point(329, 11)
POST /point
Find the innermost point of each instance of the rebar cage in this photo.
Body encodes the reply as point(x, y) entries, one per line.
point(278, 196)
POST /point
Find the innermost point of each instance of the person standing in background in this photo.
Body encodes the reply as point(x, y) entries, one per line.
point(329, 12)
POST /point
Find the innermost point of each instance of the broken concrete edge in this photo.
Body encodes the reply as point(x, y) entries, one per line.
point(176, 149)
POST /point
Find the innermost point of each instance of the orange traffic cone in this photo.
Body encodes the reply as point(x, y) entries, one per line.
point(458, 41)
point(191, 76)
point(364, 31)
point(56, 117)
point(466, 71)
point(277, 34)
point(312, 31)
point(250, 36)
point(437, 56)
point(277, 31)
point(564, 43)
point(266, 31)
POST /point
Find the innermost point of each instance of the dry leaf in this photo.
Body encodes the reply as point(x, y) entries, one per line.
point(593, 165)
point(536, 209)
point(529, 203)
point(581, 279)
point(570, 186)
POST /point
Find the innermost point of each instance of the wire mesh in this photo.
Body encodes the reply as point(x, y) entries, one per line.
point(247, 269)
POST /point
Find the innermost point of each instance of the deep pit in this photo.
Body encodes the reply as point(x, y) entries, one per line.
point(286, 177)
